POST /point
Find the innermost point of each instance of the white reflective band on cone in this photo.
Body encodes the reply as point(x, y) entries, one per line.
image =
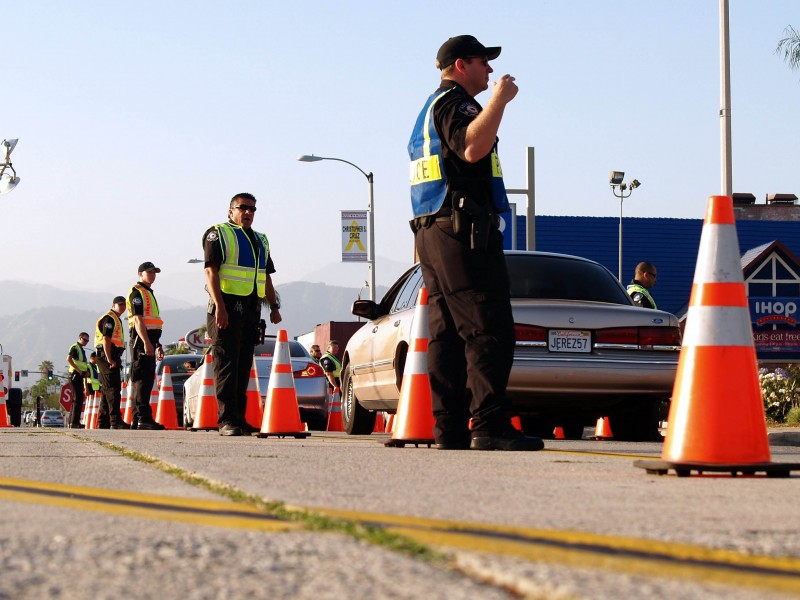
point(718, 326)
point(718, 257)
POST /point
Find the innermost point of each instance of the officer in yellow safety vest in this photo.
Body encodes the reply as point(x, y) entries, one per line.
point(644, 278)
point(109, 345)
point(332, 366)
point(78, 370)
point(145, 323)
point(238, 269)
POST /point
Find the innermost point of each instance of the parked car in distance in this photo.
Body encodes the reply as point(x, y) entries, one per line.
point(52, 418)
point(309, 381)
point(583, 350)
point(26, 417)
point(181, 367)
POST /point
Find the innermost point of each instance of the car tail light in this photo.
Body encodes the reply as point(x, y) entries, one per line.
point(530, 335)
point(642, 338)
point(310, 370)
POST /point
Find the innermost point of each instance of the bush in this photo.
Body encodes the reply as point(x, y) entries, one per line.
point(780, 391)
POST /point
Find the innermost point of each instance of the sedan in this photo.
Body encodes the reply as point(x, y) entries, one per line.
point(310, 384)
point(583, 350)
point(52, 418)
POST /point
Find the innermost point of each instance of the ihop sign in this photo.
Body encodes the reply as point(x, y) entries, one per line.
point(774, 311)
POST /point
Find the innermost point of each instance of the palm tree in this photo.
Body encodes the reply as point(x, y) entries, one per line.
point(45, 367)
point(790, 47)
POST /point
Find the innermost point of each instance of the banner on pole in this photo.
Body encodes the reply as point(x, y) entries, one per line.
point(354, 236)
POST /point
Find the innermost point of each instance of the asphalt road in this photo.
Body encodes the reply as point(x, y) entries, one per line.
point(100, 514)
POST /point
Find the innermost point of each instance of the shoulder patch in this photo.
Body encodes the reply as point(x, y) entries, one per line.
point(137, 300)
point(469, 109)
point(212, 236)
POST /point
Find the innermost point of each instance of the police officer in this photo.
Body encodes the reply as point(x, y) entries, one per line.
point(456, 193)
point(315, 353)
point(644, 278)
point(78, 371)
point(92, 382)
point(238, 269)
point(332, 366)
point(145, 325)
point(109, 342)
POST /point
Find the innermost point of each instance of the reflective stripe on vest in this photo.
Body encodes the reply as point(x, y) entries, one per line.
point(635, 287)
point(338, 370)
point(243, 266)
point(428, 176)
point(150, 315)
point(117, 336)
point(81, 362)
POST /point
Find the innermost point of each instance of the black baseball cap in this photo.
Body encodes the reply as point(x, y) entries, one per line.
point(463, 46)
point(148, 266)
point(119, 300)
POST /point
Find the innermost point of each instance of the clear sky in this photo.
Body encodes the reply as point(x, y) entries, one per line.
point(138, 122)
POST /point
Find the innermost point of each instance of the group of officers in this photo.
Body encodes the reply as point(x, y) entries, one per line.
point(457, 194)
point(238, 269)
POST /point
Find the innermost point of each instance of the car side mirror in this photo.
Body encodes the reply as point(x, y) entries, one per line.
point(366, 308)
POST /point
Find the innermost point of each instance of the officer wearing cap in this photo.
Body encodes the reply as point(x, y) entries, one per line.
point(145, 325)
point(109, 342)
point(457, 192)
point(239, 269)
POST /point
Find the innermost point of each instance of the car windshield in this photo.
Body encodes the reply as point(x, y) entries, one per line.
point(178, 365)
point(543, 277)
point(296, 349)
point(52, 413)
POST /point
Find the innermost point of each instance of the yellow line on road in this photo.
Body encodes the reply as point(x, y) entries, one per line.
point(149, 506)
point(587, 550)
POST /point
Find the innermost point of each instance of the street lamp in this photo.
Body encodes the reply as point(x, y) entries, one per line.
point(370, 216)
point(616, 182)
point(8, 181)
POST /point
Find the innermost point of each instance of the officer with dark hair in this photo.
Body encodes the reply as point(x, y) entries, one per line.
point(238, 268)
point(109, 342)
point(457, 192)
point(78, 371)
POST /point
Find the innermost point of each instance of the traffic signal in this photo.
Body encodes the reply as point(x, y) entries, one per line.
point(50, 375)
point(16, 375)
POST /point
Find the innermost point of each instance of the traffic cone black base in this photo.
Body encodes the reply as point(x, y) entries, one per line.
point(684, 469)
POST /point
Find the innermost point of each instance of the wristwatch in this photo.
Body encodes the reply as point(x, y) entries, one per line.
point(276, 306)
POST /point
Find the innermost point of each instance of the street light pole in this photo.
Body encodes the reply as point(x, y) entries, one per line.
point(370, 215)
point(616, 182)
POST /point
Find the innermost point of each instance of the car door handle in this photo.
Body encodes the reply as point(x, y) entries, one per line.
point(397, 323)
point(375, 329)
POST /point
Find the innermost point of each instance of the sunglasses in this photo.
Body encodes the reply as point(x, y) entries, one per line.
point(653, 275)
point(245, 207)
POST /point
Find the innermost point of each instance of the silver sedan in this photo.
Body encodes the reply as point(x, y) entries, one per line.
point(583, 350)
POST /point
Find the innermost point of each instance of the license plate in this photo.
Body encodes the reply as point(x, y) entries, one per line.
point(569, 340)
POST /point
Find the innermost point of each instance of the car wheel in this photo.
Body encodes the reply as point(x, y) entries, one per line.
point(356, 419)
point(636, 421)
point(187, 420)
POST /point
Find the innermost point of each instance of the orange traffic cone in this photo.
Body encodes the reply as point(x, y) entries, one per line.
point(602, 431)
point(254, 412)
point(716, 418)
point(123, 400)
point(281, 411)
point(335, 412)
point(4, 420)
point(167, 414)
point(414, 422)
point(380, 425)
point(389, 423)
point(206, 411)
point(558, 433)
point(516, 423)
point(91, 421)
point(128, 416)
point(154, 396)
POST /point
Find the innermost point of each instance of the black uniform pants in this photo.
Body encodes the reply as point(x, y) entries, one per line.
point(111, 387)
point(472, 339)
point(76, 382)
point(143, 373)
point(232, 350)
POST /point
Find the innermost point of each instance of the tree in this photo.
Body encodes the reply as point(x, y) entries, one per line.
point(45, 366)
point(790, 47)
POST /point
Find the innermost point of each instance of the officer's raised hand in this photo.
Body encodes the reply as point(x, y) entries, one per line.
point(504, 89)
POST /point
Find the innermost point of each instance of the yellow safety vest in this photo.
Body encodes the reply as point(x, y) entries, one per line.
point(94, 378)
point(338, 370)
point(243, 265)
point(117, 337)
point(81, 362)
point(151, 317)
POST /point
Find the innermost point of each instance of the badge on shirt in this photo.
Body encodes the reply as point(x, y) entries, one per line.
point(109, 327)
point(137, 301)
point(212, 236)
point(469, 109)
